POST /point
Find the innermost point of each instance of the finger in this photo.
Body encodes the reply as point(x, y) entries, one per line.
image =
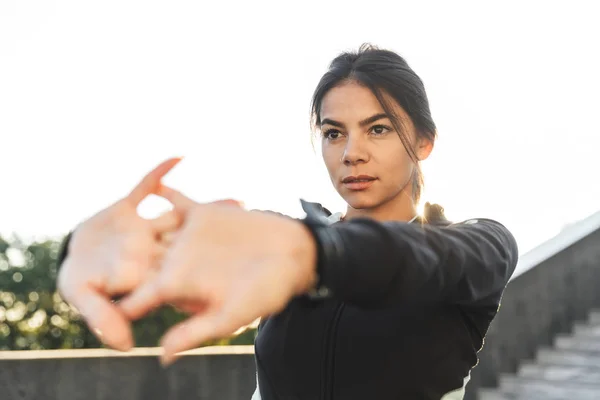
point(191, 333)
point(181, 202)
point(151, 182)
point(105, 320)
point(142, 300)
point(210, 324)
point(167, 222)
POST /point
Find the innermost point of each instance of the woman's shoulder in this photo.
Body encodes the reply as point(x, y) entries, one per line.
point(434, 214)
point(485, 228)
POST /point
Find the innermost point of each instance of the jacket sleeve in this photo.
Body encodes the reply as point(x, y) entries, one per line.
point(371, 263)
point(63, 250)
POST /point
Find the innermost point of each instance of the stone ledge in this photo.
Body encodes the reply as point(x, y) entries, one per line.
point(566, 238)
point(135, 352)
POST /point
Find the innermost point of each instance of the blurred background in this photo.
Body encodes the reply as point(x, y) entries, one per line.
point(95, 94)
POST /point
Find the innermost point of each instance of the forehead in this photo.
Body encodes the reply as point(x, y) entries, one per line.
point(349, 99)
point(353, 101)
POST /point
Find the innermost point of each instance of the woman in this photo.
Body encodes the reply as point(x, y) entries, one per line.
point(412, 299)
point(379, 304)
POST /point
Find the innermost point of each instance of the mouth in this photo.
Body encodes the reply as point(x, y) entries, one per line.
point(357, 183)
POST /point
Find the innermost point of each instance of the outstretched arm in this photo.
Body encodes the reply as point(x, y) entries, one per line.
point(241, 265)
point(372, 263)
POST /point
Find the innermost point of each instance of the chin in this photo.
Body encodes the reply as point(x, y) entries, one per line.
point(361, 200)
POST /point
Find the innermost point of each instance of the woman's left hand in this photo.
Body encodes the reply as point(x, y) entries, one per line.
point(233, 265)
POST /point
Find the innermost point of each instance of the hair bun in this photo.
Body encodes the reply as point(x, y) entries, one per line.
point(433, 212)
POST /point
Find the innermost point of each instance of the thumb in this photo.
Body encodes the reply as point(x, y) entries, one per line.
point(192, 333)
point(212, 322)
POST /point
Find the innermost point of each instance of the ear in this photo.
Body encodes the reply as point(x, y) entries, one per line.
point(424, 148)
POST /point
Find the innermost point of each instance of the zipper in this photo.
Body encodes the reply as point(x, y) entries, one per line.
point(329, 356)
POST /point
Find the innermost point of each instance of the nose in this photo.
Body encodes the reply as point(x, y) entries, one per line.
point(355, 151)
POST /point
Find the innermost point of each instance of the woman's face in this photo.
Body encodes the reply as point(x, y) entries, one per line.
point(367, 162)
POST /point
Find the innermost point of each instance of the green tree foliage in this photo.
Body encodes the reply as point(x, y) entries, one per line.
point(34, 316)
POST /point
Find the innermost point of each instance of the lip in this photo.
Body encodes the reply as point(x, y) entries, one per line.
point(359, 177)
point(360, 182)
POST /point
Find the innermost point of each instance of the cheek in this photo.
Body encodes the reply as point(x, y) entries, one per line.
point(398, 166)
point(331, 157)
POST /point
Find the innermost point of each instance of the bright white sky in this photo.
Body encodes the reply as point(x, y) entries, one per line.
point(94, 94)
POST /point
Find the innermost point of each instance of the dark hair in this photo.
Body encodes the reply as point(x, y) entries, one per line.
point(382, 71)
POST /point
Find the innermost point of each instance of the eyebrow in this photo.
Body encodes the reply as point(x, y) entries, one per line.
point(363, 123)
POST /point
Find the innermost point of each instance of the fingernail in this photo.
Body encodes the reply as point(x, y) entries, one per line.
point(124, 345)
point(127, 345)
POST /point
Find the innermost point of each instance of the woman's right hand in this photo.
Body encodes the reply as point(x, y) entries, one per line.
point(110, 254)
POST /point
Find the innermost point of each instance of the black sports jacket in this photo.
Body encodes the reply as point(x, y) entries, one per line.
point(400, 313)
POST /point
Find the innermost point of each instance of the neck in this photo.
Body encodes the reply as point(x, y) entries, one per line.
point(401, 208)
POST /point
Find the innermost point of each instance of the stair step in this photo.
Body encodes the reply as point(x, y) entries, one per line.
point(594, 317)
point(586, 330)
point(577, 343)
point(493, 394)
point(568, 371)
point(560, 373)
point(568, 357)
point(534, 389)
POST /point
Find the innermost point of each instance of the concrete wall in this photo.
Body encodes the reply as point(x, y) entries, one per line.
point(224, 373)
point(541, 302)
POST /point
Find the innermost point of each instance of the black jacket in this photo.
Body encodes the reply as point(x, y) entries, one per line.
point(408, 308)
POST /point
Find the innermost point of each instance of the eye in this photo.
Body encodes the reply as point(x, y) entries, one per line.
point(380, 129)
point(331, 134)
